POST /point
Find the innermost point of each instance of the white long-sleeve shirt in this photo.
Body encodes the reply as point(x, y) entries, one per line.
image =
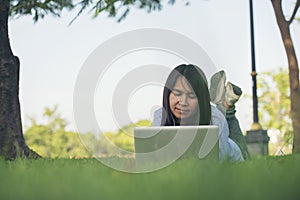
point(228, 148)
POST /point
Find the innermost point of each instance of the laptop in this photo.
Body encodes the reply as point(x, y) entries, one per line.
point(166, 144)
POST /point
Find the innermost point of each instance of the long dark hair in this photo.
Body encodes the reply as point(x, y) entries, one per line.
point(198, 82)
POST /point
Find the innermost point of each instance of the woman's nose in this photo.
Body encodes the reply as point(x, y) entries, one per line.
point(183, 101)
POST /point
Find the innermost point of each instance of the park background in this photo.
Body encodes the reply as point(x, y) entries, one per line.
point(52, 51)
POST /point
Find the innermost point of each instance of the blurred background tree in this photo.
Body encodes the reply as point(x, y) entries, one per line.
point(274, 99)
point(51, 139)
point(284, 22)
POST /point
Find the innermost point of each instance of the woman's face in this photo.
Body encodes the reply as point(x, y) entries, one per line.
point(183, 100)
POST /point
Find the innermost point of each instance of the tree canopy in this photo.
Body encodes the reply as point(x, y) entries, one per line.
point(120, 8)
point(38, 8)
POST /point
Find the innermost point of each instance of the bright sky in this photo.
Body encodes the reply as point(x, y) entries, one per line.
point(52, 53)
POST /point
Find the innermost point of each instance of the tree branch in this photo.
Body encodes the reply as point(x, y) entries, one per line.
point(277, 5)
point(294, 12)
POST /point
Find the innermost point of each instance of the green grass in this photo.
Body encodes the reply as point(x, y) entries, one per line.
point(261, 178)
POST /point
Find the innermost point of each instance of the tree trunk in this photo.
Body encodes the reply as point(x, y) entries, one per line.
point(284, 27)
point(12, 143)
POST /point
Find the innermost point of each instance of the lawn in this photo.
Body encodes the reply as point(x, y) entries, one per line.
point(260, 178)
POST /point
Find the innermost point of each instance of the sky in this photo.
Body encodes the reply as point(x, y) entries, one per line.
point(52, 53)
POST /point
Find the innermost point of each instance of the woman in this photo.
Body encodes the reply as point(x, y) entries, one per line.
point(186, 101)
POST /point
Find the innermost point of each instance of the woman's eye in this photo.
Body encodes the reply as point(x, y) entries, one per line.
point(192, 96)
point(176, 93)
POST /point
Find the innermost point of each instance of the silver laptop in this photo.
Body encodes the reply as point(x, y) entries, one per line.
point(165, 144)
